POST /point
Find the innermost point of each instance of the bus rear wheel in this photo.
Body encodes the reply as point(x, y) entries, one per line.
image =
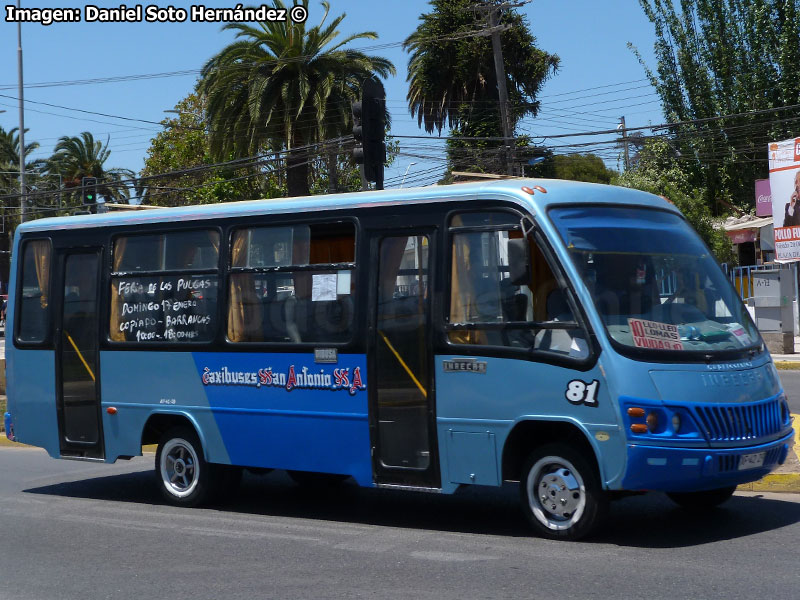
point(561, 493)
point(183, 475)
point(702, 500)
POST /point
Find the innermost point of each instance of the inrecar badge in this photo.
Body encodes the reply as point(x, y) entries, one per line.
point(464, 365)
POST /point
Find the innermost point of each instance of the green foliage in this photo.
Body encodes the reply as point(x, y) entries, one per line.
point(183, 148)
point(658, 172)
point(282, 85)
point(717, 58)
point(452, 80)
point(348, 176)
point(77, 157)
point(574, 167)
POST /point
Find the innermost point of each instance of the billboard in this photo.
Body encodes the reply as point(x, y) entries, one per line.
point(784, 182)
point(763, 198)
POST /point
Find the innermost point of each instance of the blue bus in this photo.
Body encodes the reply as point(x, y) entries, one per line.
point(578, 339)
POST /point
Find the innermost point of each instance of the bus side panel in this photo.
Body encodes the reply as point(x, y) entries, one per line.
point(32, 397)
point(140, 384)
point(285, 411)
point(477, 409)
point(257, 410)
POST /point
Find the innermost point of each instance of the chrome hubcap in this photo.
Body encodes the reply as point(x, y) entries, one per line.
point(556, 493)
point(179, 469)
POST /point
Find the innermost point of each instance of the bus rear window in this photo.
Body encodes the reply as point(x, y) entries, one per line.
point(164, 287)
point(34, 299)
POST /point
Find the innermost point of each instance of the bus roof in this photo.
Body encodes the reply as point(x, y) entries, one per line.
point(557, 192)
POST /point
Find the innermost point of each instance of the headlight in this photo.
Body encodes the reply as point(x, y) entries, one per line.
point(652, 421)
point(676, 422)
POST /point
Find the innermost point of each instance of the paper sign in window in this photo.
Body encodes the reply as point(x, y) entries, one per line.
point(343, 283)
point(323, 287)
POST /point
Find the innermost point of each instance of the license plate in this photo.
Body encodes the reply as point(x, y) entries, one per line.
point(751, 461)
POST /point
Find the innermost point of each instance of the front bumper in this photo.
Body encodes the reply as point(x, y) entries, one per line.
point(670, 469)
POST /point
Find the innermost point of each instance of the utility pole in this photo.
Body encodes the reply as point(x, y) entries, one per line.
point(502, 90)
point(495, 29)
point(624, 132)
point(22, 189)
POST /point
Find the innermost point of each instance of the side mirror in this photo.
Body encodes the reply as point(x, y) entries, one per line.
point(519, 264)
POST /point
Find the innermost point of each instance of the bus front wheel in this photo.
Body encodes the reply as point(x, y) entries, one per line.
point(183, 475)
point(561, 493)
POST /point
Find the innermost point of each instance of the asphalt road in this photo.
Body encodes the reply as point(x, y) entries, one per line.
point(78, 530)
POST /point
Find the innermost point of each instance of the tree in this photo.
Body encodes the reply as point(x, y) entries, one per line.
point(281, 86)
point(77, 157)
point(717, 58)
point(452, 79)
point(182, 151)
point(9, 188)
point(658, 173)
point(574, 167)
point(9, 160)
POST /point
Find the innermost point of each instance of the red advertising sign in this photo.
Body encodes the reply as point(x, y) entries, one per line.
point(652, 334)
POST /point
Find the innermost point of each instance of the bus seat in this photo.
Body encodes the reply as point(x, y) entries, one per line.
point(290, 314)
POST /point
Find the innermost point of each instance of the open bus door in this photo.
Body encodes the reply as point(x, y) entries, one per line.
point(77, 354)
point(402, 407)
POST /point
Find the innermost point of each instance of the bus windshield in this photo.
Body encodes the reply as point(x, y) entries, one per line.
point(654, 282)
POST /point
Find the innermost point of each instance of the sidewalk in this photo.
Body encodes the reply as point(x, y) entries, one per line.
point(789, 361)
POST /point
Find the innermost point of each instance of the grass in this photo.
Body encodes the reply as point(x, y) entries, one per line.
point(2, 412)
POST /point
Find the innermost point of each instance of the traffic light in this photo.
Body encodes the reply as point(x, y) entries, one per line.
point(369, 128)
point(89, 193)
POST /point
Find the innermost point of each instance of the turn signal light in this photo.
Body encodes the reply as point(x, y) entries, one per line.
point(635, 412)
point(639, 428)
point(111, 410)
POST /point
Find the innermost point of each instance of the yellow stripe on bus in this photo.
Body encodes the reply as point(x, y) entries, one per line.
point(85, 364)
point(404, 365)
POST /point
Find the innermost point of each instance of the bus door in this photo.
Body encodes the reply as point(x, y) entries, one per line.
point(77, 354)
point(402, 408)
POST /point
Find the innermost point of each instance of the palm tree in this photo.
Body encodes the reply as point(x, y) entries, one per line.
point(452, 79)
point(281, 85)
point(9, 188)
point(9, 157)
point(77, 157)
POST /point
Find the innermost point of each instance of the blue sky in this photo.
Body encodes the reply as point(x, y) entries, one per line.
point(599, 79)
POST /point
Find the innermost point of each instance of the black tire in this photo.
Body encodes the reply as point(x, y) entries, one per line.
point(313, 480)
point(702, 500)
point(561, 493)
point(183, 475)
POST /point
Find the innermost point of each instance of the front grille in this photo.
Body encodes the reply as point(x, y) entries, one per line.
point(735, 422)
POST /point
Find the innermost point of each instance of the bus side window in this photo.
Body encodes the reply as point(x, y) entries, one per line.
point(164, 287)
point(487, 308)
point(34, 300)
point(292, 283)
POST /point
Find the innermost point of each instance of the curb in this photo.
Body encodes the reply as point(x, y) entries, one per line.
point(774, 482)
point(787, 365)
